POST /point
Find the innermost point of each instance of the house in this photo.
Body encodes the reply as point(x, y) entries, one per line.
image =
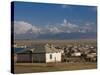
point(91, 57)
point(39, 54)
point(76, 54)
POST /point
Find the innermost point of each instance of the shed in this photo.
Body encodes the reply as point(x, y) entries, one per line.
point(39, 54)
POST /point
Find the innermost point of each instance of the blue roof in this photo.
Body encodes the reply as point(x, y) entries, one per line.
point(18, 49)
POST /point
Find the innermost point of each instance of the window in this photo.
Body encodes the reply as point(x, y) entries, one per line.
point(50, 56)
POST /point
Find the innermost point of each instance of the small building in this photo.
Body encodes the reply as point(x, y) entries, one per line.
point(92, 57)
point(76, 54)
point(39, 54)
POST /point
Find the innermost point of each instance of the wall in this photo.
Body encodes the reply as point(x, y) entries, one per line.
point(24, 58)
point(56, 57)
point(31, 58)
point(39, 57)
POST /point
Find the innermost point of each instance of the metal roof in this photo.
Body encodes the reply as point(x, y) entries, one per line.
point(36, 49)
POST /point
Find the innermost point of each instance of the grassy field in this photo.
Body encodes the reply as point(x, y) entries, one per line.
point(42, 67)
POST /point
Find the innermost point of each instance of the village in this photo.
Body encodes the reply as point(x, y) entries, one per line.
point(55, 53)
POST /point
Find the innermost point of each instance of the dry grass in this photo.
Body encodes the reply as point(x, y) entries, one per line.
point(59, 42)
point(42, 67)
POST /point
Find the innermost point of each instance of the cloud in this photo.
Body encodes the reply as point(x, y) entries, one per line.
point(89, 27)
point(54, 30)
point(21, 27)
point(68, 24)
point(69, 27)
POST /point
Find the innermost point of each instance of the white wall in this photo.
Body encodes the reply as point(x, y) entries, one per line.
point(56, 57)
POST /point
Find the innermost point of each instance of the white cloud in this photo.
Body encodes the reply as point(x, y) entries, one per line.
point(89, 27)
point(54, 30)
point(65, 22)
point(66, 27)
point(21, 27)
point(69, 27)
point(34, 30)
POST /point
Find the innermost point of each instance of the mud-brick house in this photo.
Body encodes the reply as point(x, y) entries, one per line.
point(39, 54)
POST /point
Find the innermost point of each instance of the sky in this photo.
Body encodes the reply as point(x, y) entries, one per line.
point(43, 18)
